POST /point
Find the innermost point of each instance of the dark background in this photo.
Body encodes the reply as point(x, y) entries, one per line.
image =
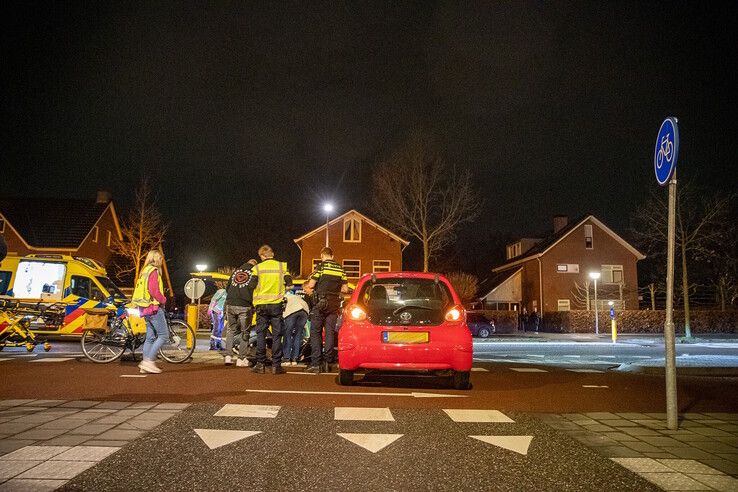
point(248, 115)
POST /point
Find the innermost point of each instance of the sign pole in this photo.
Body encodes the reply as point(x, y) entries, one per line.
point(672, 411)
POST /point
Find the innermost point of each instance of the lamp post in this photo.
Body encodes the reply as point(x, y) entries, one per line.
point(595, 276)
point(327, 208)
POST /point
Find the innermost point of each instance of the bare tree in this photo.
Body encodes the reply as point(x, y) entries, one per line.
point(465, 285)
point(143, 229)
point(418, 195)
point(580, 293)
point(701, 219)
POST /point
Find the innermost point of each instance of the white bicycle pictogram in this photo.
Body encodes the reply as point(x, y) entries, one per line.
point(665, 151)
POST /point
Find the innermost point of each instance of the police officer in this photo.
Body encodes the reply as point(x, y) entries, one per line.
point(268, 279)
point(327, 282)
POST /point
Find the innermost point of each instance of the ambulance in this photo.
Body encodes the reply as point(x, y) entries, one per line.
point(76, 283)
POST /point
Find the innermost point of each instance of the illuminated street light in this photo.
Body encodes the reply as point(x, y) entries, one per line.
point(327, 208)
point(595, 276)
point(201, 267)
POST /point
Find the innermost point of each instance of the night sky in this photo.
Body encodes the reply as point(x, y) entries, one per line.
point(248, 115)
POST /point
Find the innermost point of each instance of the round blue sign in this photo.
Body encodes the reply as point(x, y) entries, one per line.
point(667, 150)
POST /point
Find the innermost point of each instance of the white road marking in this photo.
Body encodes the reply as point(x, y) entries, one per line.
point(517, 444)
point(459, 415)
point(298, 373)
point(479, 369)
point(527, 369)
point(360, 413)
point(607, 356)
point(577, 356)
point(215, 438)
point(257, 411)
point(52, 359)
point(414, 394)
point(586, 370)
point(641, 356)
point(593, 386)
point(3, 360)
point(133, 375)
point(371, 442)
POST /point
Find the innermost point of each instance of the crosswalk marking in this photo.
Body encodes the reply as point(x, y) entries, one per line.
point(371, 442)
point(215, 438)
point(527, 369)
point(479, 369)
point(52, 359)
point(593, 386)
point(518, 444)
point(585, 370)
point(361, 413)
point(466, 415)
point(256, 411)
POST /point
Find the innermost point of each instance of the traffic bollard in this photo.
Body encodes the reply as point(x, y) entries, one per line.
point(192, 313)
point(614, 330)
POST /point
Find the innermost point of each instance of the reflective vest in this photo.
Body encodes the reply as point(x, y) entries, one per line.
point(270, 287)
point(141, 295)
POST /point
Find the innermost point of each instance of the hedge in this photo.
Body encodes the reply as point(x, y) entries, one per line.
point(640, 321)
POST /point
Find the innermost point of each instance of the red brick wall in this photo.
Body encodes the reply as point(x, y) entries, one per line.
point(374, 245)
point(99, 251)
point(15, 244)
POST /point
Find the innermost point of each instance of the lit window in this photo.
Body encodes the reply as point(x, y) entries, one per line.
point(352, 230)
point(381, 265)
point(110, 238)
point(562, 268)
point(564, 305)
point(95, 233)
point(588, 243)
point(352, 268)
point(612, 274)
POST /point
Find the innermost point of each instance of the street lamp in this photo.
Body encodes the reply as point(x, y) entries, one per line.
point(594, 276)
point(327, 208)
point(201, 267)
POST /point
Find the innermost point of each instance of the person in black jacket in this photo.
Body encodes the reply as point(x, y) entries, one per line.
point(239, 308)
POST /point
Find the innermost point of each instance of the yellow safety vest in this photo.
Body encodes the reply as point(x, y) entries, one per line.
point(270, 287)
point(141, 295)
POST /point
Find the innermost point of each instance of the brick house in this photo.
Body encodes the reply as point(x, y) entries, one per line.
point(552, 274)
point(74, 227)
point(359, 244)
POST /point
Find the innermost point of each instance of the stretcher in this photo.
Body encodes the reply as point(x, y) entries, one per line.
point(16, 318)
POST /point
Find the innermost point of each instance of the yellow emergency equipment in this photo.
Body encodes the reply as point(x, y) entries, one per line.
point(79, 284)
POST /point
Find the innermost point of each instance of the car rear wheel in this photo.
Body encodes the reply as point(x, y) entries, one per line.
point(345, 378)
point(461, 380)
point(484, 332)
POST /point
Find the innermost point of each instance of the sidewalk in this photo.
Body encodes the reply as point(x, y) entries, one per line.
point(701, 455)
point(633, 338)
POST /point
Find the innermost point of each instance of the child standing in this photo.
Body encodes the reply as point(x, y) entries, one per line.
point(215, 311)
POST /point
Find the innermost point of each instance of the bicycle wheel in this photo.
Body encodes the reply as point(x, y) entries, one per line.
point(175, 349)
point(106, 346)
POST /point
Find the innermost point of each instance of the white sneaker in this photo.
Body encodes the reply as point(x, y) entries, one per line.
point(242, 362)
point(228, 360)
point(293, 363)
point(149, 366)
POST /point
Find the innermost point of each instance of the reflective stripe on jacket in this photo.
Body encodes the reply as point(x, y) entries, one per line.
point(270, 282)
point(141, 295)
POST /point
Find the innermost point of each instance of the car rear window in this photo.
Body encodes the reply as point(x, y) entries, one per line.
point(405, 301)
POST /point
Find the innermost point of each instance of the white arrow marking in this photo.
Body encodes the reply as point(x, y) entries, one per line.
point(372, 442)
point(518, 444)
point(356, 393)
point(215, 438)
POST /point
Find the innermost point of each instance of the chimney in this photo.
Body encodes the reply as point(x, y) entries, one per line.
point(103, 197)
point(560, 221)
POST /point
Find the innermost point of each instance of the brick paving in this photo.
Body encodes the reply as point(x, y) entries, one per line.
point(45, 443)
point(701, 455)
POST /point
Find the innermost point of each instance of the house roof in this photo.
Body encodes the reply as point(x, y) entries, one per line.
point(546, 244)
point(498, 279)
point(340, 218)
point(52, 222)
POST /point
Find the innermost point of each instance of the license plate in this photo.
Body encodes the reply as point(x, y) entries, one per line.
point(405, 336)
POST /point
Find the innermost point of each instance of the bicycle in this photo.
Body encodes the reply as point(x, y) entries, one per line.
point(16, 318)
point(106, 345)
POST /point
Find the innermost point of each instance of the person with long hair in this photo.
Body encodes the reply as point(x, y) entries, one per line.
point(149, 297)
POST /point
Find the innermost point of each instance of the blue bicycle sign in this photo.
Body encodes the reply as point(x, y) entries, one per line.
point(667, 148)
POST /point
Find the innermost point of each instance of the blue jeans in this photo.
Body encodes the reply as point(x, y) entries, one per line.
point(157, 333)
point(217, 333)
point(294, 329)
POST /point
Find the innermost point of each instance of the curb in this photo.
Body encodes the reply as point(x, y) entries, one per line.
point(681, 371)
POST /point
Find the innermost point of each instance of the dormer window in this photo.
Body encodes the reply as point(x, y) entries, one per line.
point(352, 230)
point(514, 250)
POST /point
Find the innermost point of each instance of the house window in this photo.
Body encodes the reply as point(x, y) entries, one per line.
point(588, 243)
point(567, 267)
point(2, 226)
point(563, 305)
point(352, 268)
point(514, 250)
point(316, 262)
point(110, 238)
point(95, 233)
point(352, 230)
point(612, 274)
point(381, 266)
point(562, 268)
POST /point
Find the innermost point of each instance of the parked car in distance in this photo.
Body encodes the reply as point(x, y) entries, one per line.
point(479, 325)
point(405, 321)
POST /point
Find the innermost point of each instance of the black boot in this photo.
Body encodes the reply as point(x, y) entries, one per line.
point(312, 369)
point(258, 368)
point(278, 370)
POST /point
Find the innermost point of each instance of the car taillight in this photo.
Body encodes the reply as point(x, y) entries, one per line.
point(356, 313)
point(454, 314)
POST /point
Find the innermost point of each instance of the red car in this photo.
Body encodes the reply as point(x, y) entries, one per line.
point(406, 321)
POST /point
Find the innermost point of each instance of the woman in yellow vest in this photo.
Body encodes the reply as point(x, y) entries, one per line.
point(149, 298)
